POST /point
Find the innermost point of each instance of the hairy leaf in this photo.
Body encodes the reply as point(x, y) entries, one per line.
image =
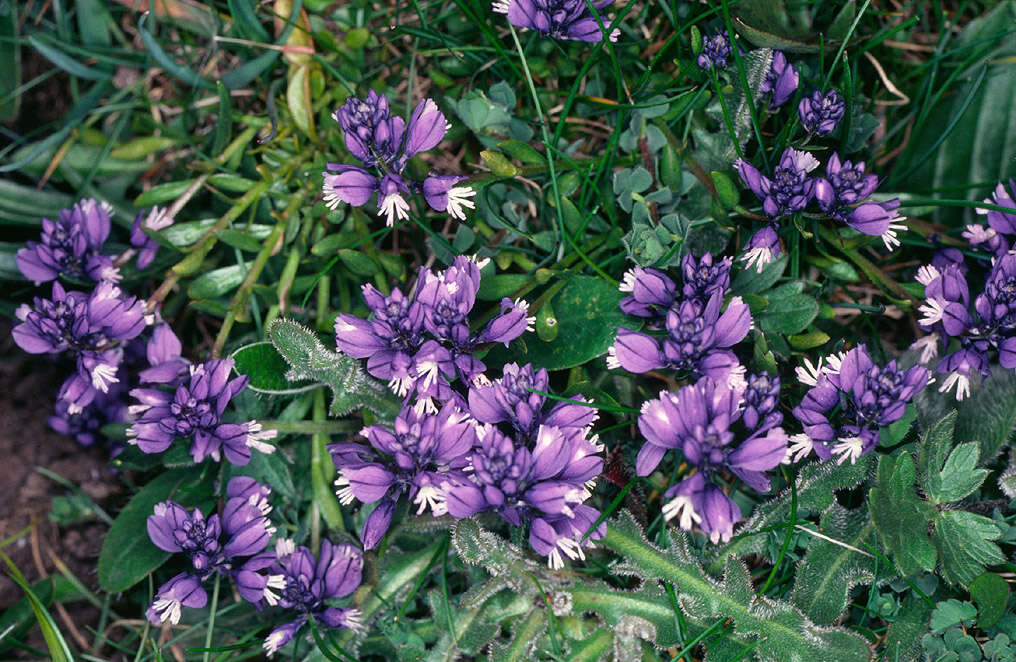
point(266, 370)
point(309, 360)
point(829, 571)
point(900, 516)
point(965, 545)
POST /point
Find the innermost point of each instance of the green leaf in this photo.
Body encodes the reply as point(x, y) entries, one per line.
point(900, 516)
point(309, 360)
point(10, 62)
point(990, 593)
point(127, 554)
point(988, 416)
point(971, 131)
point(749, 281)
point(903, 642)
point(829, 571)
point(789, 315)
point(270, 469)
point(587, 316)
point(55, 642)
point(958, 477)
point(522, 151)
point(19, 617)
point(266, 370)
point(816, 487)
point(298, 99)
point(965, 545)
point(358, 263)
point(778, 630)
point(951, 613)
point(727, 193)
point(498, 164)
point(218, 282)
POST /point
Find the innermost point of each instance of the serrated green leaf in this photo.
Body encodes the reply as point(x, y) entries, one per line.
point(351, 387)
point(900, 516)
point(829, 571)
point(816, 487)
point(781, 631)
point(965, 545)
point(127, 554)
point(959, 477)
point(990, 592)
point(950, 613)
point(988, 416)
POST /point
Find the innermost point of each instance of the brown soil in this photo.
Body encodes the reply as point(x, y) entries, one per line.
point(29, 386)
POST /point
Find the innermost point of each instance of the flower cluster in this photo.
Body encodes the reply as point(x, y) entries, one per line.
point(92, 328)
point(988, 328)
point(844, 194)
point(716, 50)
point(384, 145)
point(1000, 233)
point(229, 545)
point(698, 330)
point(717, 428)
point(557, 19)
point(307, 586)
point(421, 452)
point(780, 80)
point(821, 113)
point(71, 245)
point(422, 341)
point(851, 399)
point(531, 466)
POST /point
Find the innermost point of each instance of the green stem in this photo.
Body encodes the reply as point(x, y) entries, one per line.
point(322, 472)
point(310, 427)
point(211, 619)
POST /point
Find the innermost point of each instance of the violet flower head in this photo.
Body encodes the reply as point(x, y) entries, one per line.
point(557, 19)
point(414, 458)
point(789, 190)
point(93, 328)
point(84, 422)
point(695, 345)
point(852, 398)
point(183, 590)
point(987, 329)
point(717, 428)
point(705, 276)
point(821, 113)
point(194, 411)
point(384, 145)
point(70, 246)
point(716, 51)
point(762, 249)
point(227, 546)
point(652, 293)
point(530, 466)
point(153, 219)
point(780, 80)
point(1000, 232)
point(309, 585)
point(843, 193)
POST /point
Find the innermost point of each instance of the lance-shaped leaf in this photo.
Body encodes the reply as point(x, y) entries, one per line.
point(816, 486)
point(777, 629)
point(831, 569)
point(308, 359)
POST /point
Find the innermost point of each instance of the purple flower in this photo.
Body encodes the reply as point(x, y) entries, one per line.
point(852, 399)
point(557, 19)
point(71, 246)
point(442, 194)
point(184, 590)
point(421, 343)
point(229, 545)
point(844, 193)
point(652, 293)
point(1000, 232)
point(155, 219)
point(761, 249)
point(84, 422)
point(414, 458)
point(93, 328)
point(716, 51)
point(780, 80)
point(820, 113)
point(542, 468)
point(193, 411)
point(789, 190)
point(385, 144)
point(309, 585)
point(695, 344)
point(702, 420)
point(989, 327)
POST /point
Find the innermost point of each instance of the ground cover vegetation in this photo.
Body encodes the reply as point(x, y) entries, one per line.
point(532, 330)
